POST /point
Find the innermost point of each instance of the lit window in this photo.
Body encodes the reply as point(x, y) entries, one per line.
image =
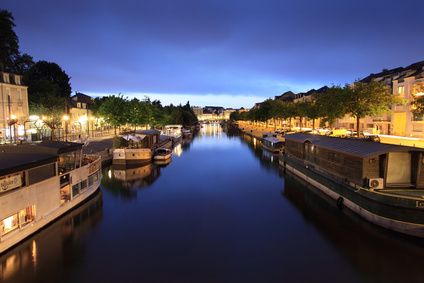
point(401, 89)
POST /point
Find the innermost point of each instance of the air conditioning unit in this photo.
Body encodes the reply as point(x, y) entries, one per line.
point(376, 183)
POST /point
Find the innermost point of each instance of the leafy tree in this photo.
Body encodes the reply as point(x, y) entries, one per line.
point(418, 98)
point(300, 109)
point(370, 99)
point(21, 64)
point(9, 42)
point(282, 110)
point(50, 109)
point(113, 109)
point(331, 104)
point(45, 77)
point(235, 116)
point(312, 111)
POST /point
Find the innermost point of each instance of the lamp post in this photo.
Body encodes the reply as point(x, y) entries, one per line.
point(65, 118)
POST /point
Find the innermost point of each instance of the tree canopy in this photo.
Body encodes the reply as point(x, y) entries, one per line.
point(371, 99)
point(9, 42)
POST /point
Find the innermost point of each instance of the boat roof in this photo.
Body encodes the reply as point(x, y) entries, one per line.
point(19, 157)
point(11, 162)
point(361, 148)
point(147, 132)
point(274, 139)
point(44, 147)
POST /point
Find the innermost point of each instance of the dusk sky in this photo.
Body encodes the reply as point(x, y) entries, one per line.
point(213, 52)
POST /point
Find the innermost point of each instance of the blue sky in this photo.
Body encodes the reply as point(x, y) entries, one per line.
point(226, 53)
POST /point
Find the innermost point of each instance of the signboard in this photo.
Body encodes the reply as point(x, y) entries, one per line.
point(10, 182)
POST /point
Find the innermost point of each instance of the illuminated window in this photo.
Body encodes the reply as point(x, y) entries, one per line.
point(9, 224)
point(21, 219)
point(401, 89)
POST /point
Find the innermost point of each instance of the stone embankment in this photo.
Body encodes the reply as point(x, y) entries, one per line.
point(100, 146)
point(253, 130)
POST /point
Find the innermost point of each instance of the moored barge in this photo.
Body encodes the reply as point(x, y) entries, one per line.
point(382, 183)
point(39, 183)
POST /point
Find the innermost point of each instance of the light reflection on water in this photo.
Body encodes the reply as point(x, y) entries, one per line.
point(221, 211)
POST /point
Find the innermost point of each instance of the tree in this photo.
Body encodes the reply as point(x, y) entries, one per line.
point(370, 99)
point(417, 102)
point(51, 109)
point(113, 109)
point(46, 78)
point(9, 42)
point(21, 64)
point(331, 104)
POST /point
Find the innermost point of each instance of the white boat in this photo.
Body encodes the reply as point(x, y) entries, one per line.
point(163, 154)
point(141, 147)
point(39, 183)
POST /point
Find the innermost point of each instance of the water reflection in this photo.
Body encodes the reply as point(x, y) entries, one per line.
point(376, 253)
point(267, 159)
point(49, 255)
point(125, 180)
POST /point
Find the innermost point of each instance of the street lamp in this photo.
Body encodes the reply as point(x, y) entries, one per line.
point(66, 118)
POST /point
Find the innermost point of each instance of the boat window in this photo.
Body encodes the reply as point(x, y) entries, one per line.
point(66, 162)
point(78, 158)
point(93, 178)
point(41, 173)
point(20, 219)
point(27, 215)
point(399, 168)
point(9, 224)
point(75, 190)
point(84, 185)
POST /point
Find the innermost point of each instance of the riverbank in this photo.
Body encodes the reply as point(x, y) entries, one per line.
point(253, 130)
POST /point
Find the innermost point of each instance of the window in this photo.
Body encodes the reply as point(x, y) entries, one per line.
point(418, 116)
point(20, 219)
point(401, 89)
point(9, 224)
point(84, 105)
point(19, 95)
point(75, 190)
point(78, 105)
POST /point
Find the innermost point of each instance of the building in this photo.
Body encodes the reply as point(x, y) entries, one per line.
point(14, 113)
point(80, 119)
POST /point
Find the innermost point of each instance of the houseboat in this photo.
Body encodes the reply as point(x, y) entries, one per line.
point(39, 183)
point(271, 142)
point(163, 154)
point(383, 183)
point(173, 131)
point(140, 147)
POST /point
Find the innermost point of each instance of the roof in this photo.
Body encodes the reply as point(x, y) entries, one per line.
point(15, 158)
point(147, 132)
point(273, 139)
point(12, 162)
point(361, 148)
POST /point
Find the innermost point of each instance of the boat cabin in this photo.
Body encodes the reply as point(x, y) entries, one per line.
point(361, 163)
point(143, 138)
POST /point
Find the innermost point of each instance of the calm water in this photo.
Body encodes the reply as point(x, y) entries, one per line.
point(221, 211)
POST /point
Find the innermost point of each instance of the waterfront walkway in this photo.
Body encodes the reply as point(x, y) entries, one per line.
point(256, 131)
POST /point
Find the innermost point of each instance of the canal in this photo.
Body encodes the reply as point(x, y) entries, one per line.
point(221, 211)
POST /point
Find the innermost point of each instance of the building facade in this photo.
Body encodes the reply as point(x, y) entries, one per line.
point(14, 113)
